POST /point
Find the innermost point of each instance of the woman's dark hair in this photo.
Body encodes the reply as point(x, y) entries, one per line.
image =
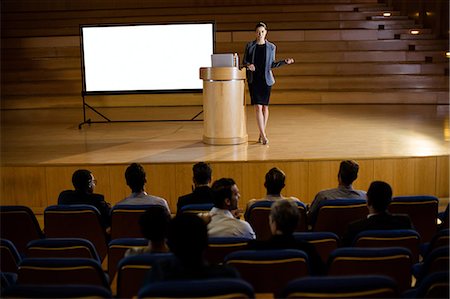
point(261, 24)
point(154, 223)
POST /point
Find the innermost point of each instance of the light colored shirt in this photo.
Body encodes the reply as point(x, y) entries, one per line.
point(341, 192)
point(142, 198)
point(223, 224)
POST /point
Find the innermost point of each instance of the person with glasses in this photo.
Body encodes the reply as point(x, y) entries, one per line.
point(84, 183)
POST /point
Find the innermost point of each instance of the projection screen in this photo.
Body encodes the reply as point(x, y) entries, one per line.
point(145, 58)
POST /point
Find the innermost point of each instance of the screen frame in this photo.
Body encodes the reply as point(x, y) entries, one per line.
point(145, 91)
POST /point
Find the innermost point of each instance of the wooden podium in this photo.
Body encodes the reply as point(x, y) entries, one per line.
point(224, 119)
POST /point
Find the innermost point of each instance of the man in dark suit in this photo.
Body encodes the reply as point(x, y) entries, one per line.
point(84, 182)
point(379, 196)
point(201, 192)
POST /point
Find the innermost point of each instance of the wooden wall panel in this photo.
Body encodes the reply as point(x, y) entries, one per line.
point(442, 176)
point(24, 186)
point(38, 187)
point(424, 176)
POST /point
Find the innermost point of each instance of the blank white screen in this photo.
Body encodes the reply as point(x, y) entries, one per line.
point(146, 57)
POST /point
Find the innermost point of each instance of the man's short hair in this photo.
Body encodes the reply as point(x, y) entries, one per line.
point(187, 237)
point(285, 214)
point(379, 195)
point(274, 182)
point(202, 173)
point(154, 223)
point(348, 171)
point(221, 191)
point(136, 177)
point(81, 179)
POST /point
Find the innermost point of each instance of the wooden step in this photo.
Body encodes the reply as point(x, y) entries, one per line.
point(278, 96)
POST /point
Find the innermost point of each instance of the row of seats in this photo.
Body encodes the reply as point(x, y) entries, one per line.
point(267, 271)
point(19, 224)
point(324, 242)
point(363, 286)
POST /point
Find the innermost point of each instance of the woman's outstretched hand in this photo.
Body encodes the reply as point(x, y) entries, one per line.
point(289, 60)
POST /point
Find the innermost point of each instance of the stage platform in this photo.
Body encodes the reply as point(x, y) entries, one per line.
point(406, 145)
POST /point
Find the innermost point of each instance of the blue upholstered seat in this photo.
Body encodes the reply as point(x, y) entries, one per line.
point(211, 288)
point(361, 286)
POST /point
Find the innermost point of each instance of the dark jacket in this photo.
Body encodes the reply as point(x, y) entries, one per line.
point(75, 197)
point(200, 195)
point(375, 222)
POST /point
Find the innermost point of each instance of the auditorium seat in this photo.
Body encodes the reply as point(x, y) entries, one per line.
point(76, 221)
point(117, 249)
point(19, 225)
point(63, 248)
point(437, 260)
point(406, 238)
point(61, 271)
point(423, 211)
point(207, 288)
point(219, 247)
point(57, 291)
point(197, 208)
point(441, 238)
point(324, 242)
point(334, 215)
point(132, 271)
point(269, 270)
point(361, 286)
point(258, 217)
point(394, 262)
point(434, 285)
point(125, 221)
point(9, 256)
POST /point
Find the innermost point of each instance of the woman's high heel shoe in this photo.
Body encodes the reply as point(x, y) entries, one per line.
point(265, 140)
point(260, 139)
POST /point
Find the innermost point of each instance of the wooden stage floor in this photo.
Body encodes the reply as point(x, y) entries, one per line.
point(296, 132)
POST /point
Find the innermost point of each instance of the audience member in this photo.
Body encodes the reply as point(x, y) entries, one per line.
point(283, 219)
point(223, 223)
point(274, 183)
point(154, 224)
point(379, 196)
point(84, 183)
point(348, 172)
point(201, 191)
point(136, 179)
point(188, 239)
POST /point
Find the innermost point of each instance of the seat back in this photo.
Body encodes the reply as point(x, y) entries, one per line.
point(61, 271)
point(324, 242)
point(117, 249)
point(394, 262)
point(76, 221)
point(211, 288)
point(197, 208)
point(422, 210)
point(334, 215)
point(19, 225)
point(132, 271)
point(258, 217)
point(441, 238)
point(361, 286)
point(62, 247)
point(407, 238)
point(219, 247)
point(57, 291)
point(261, 267)
point(434, 285)
point(125, 221)
point(9, 256)
point(437, 260)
